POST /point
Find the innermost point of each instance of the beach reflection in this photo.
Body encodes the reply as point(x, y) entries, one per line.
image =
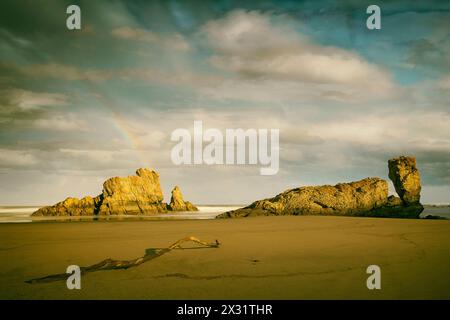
point(23, 215)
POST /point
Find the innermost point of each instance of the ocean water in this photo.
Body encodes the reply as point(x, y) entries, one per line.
point(18, 214)
point(441, 211)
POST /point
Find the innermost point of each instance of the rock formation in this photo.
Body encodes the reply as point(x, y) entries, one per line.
point(342, 199)
point(367, 197)
point(406, 178)
point(69, 207)
point(178, 204)
point(139, 194)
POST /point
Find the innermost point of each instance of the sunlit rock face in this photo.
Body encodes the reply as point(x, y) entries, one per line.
point(354, 198)
point(133, 195)
point(69, 207)
point(406, 178)
point(367, 197)
point(177, 202)
point(139, 194)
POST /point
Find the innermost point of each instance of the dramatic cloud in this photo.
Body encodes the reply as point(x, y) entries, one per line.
point(259, 46)
point(28, 100)
point(171, 41)
point(66, 72)
point(102, 101)
point(66, 122)
point(40, 110)
point(16, 158)
point(388, 129)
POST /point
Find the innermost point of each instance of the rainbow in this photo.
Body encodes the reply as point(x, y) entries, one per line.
point(122, 126)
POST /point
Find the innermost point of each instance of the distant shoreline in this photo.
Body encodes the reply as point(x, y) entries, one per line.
point(22, 214)
point(45, 205)
point(439, 205)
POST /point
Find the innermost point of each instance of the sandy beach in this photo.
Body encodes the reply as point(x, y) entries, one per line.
point(289, 257)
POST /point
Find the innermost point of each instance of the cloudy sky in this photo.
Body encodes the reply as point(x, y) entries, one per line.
point(79, 106)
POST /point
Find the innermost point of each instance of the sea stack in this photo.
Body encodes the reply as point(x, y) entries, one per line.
point(139, 194)
point(178, 204)
point(406, 179)
point(367, 197)
point(134, 195)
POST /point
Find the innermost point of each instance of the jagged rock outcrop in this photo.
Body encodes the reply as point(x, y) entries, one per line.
point(133, 195)
point(69, 207)
point(139, 194)
point(406, 179)
point(353, 198)
point(367, 197)
point(177, 202)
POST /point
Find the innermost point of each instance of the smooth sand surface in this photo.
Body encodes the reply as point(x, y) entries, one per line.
point(287, 257)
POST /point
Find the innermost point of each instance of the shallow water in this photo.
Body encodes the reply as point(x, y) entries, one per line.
point(441, 211)
point(17, 214)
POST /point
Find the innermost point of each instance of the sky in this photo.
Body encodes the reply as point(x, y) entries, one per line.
point(80, 106)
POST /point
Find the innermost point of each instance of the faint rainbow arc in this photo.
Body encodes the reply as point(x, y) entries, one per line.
point(120, 124)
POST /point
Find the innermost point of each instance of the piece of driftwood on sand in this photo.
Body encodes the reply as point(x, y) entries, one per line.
point(110, 264)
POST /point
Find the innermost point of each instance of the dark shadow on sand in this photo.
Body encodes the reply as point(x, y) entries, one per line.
point(110, 264)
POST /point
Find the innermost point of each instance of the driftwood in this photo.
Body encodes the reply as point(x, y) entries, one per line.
point(110, 264)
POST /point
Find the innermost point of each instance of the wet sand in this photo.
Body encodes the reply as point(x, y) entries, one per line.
point(289, 257)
